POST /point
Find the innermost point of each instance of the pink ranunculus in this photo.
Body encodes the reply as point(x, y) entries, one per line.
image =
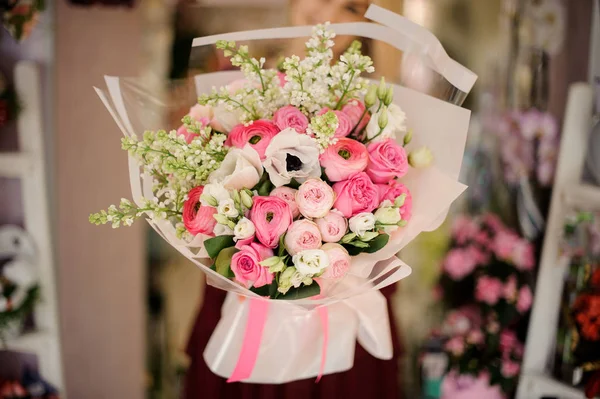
point(455, 386)
point(246, 267)
point(198, 219)
point(459, 263)
point(355, 195)
point(355, 109)
point(345, 124)
point(481, 256)
point(301, 235)
point(488, 290)
point(332, 226)
point(314, 198)
point(258, 134)
point(387, 160)
point(525, 299)
point(456, 346)
point(201, 113)
point(271, 217)
point(290, 116)
point(510, 368)
point(344, 158)
point(510, 289)
point(287, 194)
point(339, 261)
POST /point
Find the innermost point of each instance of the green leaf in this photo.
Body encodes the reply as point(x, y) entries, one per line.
point(293, 184)
point(304, 291)
point(216, 244)
point(372, 246)
point(273, 289)
point(262, 291)
point(377, 243)
point(223, 262)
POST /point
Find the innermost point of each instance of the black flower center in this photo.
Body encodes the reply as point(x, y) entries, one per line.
point(292, 162)
point(269, 216)
point(254, 139)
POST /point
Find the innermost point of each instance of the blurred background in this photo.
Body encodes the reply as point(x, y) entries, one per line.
point(91, 312)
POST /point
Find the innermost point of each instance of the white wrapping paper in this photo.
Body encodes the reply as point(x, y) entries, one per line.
point(292, 342)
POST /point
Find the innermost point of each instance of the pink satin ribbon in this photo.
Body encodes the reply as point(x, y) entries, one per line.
point(257, 318)
point(255, 325)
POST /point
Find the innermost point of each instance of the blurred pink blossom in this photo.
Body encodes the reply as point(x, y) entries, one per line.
point(488, 290)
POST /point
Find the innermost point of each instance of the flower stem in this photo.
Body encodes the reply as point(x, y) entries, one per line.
point(339, 103)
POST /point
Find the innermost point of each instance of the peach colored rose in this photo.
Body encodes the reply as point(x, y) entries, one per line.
point(314, 198)
point(355, 195)
point(302, 234)
point(246, 267)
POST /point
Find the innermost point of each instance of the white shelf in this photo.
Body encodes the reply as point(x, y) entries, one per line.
point(542, 385)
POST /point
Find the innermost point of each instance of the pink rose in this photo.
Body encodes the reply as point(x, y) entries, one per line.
point(314, 198)
point(246, 267)
point(345, 124)
point(392, 190)
point(488, 290)
point(456, 386)
point(525, 299)
point(332, 226)
point(343, 159)
point(258, 134)
point(198, 219)
point(355, 195)
point(503, 244)
point(339, 261)
point(302, 234)
point(456, 346)
point(287, 194)
point(387, 160)
point(355, 109)
point(271, 217)
point(510, 368)
point(459, 263)
point(290, 116)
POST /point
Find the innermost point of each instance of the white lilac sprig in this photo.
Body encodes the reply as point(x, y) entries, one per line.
point(346, 81)
point(322, 128)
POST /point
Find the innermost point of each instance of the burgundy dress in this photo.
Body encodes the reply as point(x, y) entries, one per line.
point(369, 378)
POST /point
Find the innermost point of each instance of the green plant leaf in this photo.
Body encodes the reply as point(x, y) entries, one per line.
point(262, 291)
point(216, 244)
point(304, 291)
point(372, 246)
point(223, 262)
point(281, 250)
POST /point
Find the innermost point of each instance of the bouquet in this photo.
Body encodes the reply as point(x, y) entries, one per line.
point(294, 188)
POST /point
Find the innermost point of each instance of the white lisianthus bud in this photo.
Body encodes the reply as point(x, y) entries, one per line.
point(221, 219)
point(371, 96)
point(382, 121)
point(389, 96)
point(362, 223)
point(399, 201)
point(408, 137)
point(246, 196)
point(388, 215)
point(420, 158)
point(243, 229)
point(382, 89)
point(310, 261)
point(209, 200)
point(368, 236)
point(274, 263)
point(227, 208)
point(285, 280)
